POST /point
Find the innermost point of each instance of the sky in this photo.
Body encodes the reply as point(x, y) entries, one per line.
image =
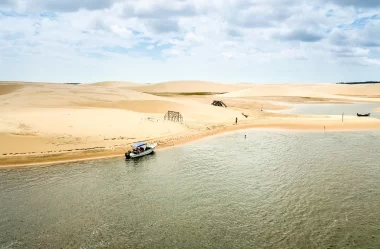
point(262, 41)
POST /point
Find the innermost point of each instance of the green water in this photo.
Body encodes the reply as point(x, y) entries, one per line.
point(275, 189)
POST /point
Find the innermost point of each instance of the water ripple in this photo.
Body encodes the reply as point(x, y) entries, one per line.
point(275, 189)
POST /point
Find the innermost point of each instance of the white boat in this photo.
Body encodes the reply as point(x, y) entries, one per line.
point(140, 149)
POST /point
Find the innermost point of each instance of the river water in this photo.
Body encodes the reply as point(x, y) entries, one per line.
point(274, 189)
point(335, 109)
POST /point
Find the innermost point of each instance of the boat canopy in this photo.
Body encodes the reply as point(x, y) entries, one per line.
point(139, 144)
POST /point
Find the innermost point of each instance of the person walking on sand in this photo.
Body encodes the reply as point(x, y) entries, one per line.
point(236, 120)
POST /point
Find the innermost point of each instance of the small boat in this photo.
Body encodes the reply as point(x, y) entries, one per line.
point(140, 149)
point(363, 115)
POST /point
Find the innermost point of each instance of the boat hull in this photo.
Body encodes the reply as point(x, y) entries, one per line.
point(150, 149)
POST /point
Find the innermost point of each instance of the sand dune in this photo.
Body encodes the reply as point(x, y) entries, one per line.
point(330, 92)
point(189, 86)
point(9, 88)
point(323, 90)
point(120, 84)
point(63, 95)
point(48, 121)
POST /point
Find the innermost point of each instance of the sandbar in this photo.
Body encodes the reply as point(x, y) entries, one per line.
point(48, 123)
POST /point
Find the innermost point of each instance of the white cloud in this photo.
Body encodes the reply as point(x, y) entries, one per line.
point(207, 36)
point(120, 30)
point(300, 35)
point(347, 52)
point(159, 9)
point(357, 3)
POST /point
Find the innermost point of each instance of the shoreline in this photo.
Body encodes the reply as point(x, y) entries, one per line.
point(188, 137)
point(45, 124)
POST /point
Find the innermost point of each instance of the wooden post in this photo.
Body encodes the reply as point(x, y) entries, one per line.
point(173, 116)
point(342, 116)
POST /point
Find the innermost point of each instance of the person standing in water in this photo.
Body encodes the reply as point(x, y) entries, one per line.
point(236, 120)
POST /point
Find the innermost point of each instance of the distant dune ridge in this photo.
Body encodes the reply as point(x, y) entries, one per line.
point(47, 121)
point(114, 84)
point(189, 86)
point(309, 90)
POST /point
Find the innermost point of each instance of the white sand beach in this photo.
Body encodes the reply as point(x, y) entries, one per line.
point(50, 122)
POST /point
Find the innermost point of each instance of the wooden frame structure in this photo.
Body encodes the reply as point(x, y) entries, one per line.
point(218, 103)
point(173, 116)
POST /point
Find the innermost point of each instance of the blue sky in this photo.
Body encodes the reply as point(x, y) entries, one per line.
point(263, 41)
